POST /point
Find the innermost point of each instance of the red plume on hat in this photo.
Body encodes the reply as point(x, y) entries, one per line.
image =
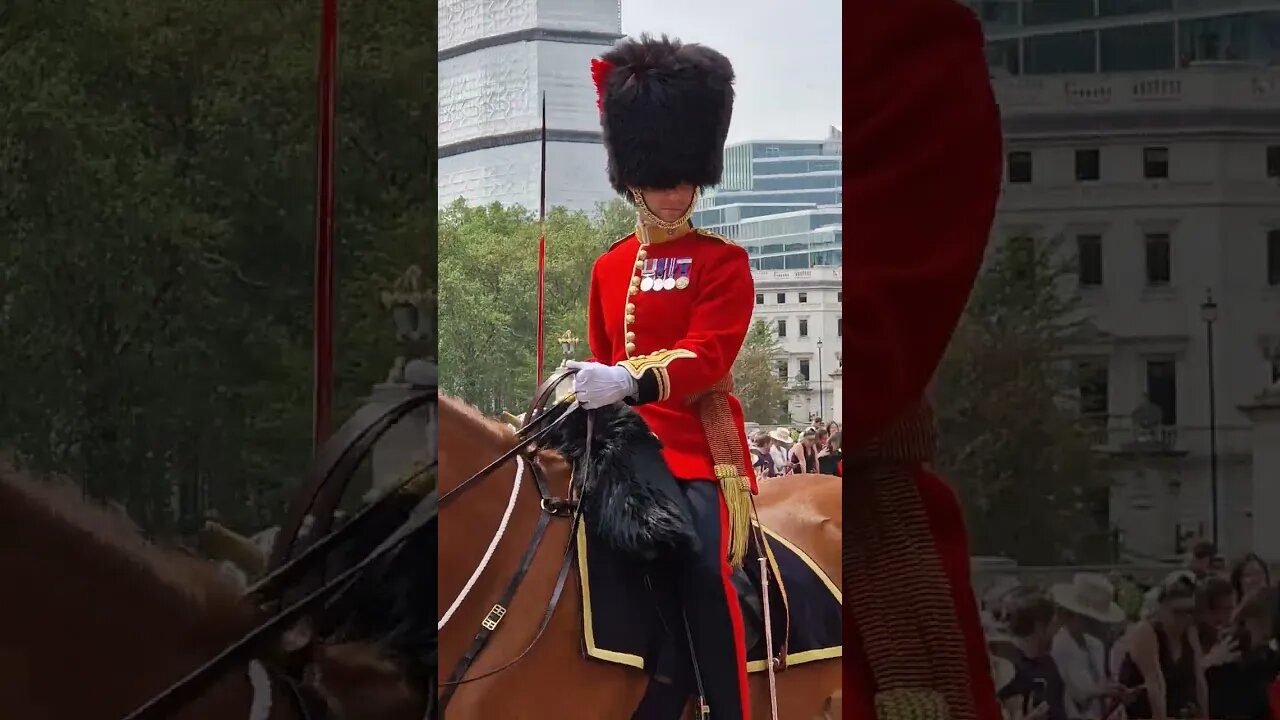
point(665, 108)
point(599, 73)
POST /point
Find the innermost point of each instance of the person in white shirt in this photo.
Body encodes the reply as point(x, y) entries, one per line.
point(778, 450)
point(1081, 657)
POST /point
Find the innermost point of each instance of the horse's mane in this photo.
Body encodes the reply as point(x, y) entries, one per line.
point(497, 432)
point(54, 507)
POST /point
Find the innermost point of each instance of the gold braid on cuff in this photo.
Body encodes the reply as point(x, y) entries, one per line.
point(657, 362)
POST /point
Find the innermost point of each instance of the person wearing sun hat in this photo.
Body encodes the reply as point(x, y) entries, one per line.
point(781, 438)
point(1085, 602)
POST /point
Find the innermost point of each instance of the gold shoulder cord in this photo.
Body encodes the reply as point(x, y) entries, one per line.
point(915, 647)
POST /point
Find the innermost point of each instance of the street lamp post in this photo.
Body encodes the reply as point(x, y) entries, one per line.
point(1209, 313)
point(821, 408)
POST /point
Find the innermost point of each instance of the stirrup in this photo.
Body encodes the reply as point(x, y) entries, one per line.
point(704, 710)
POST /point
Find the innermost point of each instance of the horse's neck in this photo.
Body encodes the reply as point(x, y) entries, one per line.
point(84, 601)
point(468, 443)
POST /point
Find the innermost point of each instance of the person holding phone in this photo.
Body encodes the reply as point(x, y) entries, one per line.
point(1164, 656)
point(1037, 691)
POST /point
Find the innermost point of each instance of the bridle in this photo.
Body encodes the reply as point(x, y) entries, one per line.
point(342, 457)
point(538, 424)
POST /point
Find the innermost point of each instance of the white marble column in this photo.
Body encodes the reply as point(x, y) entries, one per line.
point(1264, 414)
point(410, 441)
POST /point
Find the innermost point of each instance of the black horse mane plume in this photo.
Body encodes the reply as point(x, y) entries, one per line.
point(630, 499)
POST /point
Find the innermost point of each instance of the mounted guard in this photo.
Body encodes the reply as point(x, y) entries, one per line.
point(669, 309)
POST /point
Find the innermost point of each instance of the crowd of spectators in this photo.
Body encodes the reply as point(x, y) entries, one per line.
point(1204, 642)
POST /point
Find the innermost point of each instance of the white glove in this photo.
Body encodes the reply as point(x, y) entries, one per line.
point(597, 385)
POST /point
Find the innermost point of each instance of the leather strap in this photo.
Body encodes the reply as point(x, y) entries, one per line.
point(336, 462)
point(499, 610)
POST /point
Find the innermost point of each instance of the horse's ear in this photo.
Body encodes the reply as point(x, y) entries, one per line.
point(357, 681)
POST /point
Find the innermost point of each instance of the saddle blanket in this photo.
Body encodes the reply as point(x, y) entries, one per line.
point(621, 623)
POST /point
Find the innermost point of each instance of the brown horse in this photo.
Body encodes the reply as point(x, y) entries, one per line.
point(555, 680)
point(94, 621)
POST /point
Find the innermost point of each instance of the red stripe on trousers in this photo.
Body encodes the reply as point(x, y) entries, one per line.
point(735, 610)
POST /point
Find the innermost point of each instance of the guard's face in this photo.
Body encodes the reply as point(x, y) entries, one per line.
point(669, 204)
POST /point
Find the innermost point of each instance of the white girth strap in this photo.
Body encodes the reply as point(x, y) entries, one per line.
point(493, 545)
point(260, 708)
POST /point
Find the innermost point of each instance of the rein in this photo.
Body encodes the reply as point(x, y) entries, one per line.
point(550, 507)
point(366, 425)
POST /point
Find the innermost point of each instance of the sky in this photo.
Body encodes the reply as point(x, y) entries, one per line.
point(786, 54)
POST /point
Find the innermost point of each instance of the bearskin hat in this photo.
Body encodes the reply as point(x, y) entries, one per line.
point(665, 108)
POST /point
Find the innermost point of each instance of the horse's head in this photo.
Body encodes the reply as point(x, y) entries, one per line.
point(89, 598)
point(469, 441)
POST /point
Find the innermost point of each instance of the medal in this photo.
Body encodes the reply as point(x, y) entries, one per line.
point(683, 266)
point(668, 284)
point(661, 268)
point(647, 271)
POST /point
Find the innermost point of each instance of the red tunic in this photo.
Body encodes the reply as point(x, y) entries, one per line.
point(925, 170)
point(681, 339)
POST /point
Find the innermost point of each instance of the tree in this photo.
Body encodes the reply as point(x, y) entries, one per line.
point(488, 295)
point(761, 391)
point(1011, 437)
point(156, 232)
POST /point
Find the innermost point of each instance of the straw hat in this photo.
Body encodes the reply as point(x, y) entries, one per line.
point(1090, 595)
point(781, 434)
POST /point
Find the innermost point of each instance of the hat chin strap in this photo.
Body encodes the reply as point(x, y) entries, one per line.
point(646, 216)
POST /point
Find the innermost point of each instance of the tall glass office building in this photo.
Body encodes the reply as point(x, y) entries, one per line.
point(498, 61)
point(1044, 37)
point(781, 200)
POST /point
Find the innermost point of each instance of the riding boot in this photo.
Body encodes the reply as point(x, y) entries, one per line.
point(710, 607)
point(666, 696)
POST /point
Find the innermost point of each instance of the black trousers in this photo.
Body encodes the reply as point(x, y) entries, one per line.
point(698, 591)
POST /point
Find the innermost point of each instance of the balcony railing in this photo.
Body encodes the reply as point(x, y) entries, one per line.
point(1226, 86)
point(1119, 433)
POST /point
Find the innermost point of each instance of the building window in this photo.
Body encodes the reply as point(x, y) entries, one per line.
point(1158, 259)
point(782, 328)
point(1155, 163)
point(839, 327)
point(1088, 164)
point(782, 370)
point(1089, 259)
point(1273, 161)
point(804, 328)
point(804, 298)
point(1273, 257)
point(1019, 167)
point(1094, 387)
point(804, 369)
point(1275, 371)
point(759, 298)
point(839, 296)
point(782, 298)
point(1162, 389)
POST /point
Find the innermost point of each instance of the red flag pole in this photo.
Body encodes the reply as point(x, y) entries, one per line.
point(322, 395)
point(542, 240)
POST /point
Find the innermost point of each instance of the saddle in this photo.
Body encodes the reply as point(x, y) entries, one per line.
point(635, 520)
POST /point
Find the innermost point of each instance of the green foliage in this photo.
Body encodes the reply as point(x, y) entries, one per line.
point(1017, 449)
point(755, 377)
point(488, 295)
point(157, 175)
